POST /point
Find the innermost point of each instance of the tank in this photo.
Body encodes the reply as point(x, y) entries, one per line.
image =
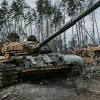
point(21, 60)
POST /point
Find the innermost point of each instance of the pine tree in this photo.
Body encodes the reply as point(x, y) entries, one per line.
point(44, 10)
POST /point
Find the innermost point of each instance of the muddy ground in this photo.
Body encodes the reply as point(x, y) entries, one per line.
point(58, 89)
point(77, 88)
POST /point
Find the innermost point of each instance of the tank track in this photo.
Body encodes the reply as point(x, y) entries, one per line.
point(8, 75)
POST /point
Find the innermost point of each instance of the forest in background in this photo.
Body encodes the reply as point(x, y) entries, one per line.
point(46, 18)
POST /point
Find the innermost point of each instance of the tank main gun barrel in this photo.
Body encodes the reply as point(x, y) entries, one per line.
point(69, 24)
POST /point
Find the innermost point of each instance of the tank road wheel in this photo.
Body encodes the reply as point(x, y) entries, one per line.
point(8, 75)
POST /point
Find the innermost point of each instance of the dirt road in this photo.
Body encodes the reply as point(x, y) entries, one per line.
point(57, 89)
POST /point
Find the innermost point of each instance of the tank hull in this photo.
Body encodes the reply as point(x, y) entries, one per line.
point(43, 74)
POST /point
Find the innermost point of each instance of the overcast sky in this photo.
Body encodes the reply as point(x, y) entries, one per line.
point(88, 20)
